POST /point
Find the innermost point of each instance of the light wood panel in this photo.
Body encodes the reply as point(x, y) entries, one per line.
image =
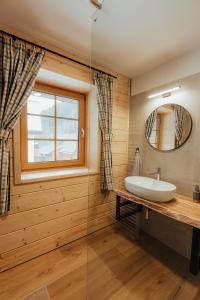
point(100, 198)
point(42, 230)
point(48, 214)
point(120, 123)
point(120, 135)
point(120, 171)
point(32, 217)
point(101, 210)
point(120, 159)
point(46, 185)
point(119, 147)
point(24, 202)
point(19, 255)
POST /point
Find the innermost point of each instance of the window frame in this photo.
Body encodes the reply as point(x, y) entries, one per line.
point(28, 166)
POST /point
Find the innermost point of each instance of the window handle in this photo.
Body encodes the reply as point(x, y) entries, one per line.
point(82, 132)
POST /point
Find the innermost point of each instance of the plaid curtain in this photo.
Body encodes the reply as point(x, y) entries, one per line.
point(104, 86)
point(19, 66)
point(150, 123)
point(179, 123)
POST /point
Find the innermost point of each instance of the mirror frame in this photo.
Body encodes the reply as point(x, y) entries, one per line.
point(189, 134)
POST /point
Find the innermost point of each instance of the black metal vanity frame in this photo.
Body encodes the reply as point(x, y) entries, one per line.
point(195, 252)
point(120, 204)
point(195, 249)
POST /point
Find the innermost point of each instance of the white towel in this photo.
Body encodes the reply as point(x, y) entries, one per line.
point(136, 164)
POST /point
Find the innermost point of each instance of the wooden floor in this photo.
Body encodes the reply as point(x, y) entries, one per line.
point(110, 265)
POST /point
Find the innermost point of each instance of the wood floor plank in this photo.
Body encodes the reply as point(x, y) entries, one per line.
point(41, 294)
point(110, 264)
point(70, 286)
point(46, 269)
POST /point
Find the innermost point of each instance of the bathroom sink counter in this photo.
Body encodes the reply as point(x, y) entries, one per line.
point(181, 208)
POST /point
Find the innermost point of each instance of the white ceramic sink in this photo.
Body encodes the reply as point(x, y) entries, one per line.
point(150, 189)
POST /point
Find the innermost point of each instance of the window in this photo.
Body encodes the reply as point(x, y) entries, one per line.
point(52, 129)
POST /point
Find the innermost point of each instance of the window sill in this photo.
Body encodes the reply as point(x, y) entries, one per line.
point(34, 176)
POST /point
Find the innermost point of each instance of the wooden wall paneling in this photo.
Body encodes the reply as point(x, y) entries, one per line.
point(120, 109)
point(120, 123)
point(120, 171)
point(46, 185)
point(32, 217)
point(95, 177)
point(36, 232)
point(49, 46)
point(94, 187)
point(12, 240)
point(120, 147)
point(97, 224)
point(48, 214)
point(22, 254)
point(99, 198)
point(67, 68)
point(73, 192)
point(25, 202)
point(119, 159)
point(101, 210)
point(120, 135)
point(42, 230)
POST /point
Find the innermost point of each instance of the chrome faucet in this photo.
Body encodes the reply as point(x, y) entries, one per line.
point(157, 173)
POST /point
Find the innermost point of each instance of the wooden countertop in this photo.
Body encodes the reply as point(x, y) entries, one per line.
point(181, 208)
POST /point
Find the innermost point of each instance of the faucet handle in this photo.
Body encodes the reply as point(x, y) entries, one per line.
point(157, 173)
point(157, 170)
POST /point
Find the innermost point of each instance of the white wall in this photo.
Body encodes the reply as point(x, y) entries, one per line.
point(180, 68)
point(180, 167)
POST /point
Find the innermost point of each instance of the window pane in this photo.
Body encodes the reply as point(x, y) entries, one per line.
point(41, 127)
point(66, 150)
point(40, 151)
point(67, 129)
point(41, 104)
point(67, 108)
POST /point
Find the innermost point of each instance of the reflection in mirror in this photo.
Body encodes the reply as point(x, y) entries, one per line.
point(168, 127)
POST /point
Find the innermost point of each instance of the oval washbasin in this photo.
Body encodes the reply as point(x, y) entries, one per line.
point(150, 189)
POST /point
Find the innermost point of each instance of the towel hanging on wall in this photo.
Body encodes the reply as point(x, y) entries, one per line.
point(136, 163)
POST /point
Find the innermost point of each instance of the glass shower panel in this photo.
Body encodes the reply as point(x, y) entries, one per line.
point(106, 233)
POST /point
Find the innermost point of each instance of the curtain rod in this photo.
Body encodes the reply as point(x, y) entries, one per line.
point(56, 53)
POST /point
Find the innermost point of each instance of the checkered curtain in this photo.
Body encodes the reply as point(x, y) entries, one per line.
point(104, 87)
point(150, 123)
point(179, 123)
point(19, 66)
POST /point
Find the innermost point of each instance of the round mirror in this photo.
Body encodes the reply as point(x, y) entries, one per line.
point(168, 127)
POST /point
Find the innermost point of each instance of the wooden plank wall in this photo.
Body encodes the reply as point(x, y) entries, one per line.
point(47, 215)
